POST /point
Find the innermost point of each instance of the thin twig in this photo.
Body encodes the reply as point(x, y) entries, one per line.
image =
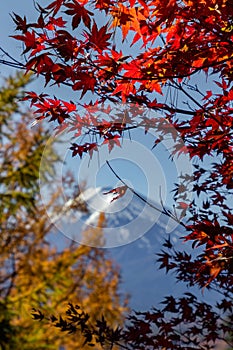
point(163, 211)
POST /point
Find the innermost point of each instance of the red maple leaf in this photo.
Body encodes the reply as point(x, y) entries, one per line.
point(118, 192)
point(79, 13)
point(55, 6)
point(29, 39)
point(111, 141)
point(98, 37)
point(85, 82)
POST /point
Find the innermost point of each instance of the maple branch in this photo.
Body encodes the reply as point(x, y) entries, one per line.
point(189, 339)
point(161, 78)
point(171, 109)
point(162, 211)
point(197, 103)
point(217, 290)
point(18, 65)
point(179, 86)
point(194, 88)
point(163, 107)
point(11, 57)
point(12, 64)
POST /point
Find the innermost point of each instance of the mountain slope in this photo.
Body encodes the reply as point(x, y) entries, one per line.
point(134, 233)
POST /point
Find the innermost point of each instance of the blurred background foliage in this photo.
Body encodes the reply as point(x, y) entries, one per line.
point(35, 271)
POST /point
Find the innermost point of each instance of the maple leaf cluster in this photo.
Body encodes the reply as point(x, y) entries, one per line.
point(194, 325)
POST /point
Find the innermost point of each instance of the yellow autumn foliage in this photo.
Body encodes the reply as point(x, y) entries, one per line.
point(35, 272)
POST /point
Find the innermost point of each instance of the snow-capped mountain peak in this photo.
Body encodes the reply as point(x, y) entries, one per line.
point(127, 218)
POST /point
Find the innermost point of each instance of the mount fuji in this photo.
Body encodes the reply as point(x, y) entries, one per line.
point(128, 218)
point(133, 234)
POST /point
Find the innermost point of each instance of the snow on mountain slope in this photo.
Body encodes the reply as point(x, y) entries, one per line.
point(127, 219)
